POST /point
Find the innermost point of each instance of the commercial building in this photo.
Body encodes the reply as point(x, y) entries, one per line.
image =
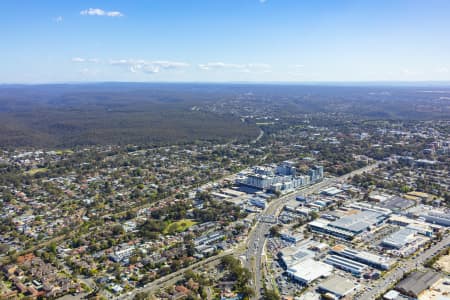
point(397, 204)
point(331, 191)
point(291, 236)
point(279, 178)
point(364, 257)
point(259, 181)
point(394, 295)
point(439, 218)
point(322, 226)
point(346, 264)
point(370, 207)
point(258, 202)
point(417, 282)
point(286, 168)
point(348, 227)
point(303, 211)
point(232, 193)
point(420, 226)
point(309, 270)
point(337, 285)
point(359, 222)
point(399, 239)
point(316, 173)
point(292, 255)
point(375, 197)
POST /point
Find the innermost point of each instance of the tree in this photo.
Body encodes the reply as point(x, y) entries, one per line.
point(141, 296)
point(52, 247)
point(247, 292)
point(4, 248)
point(313, 215)
point(271, 295)
point(275, 230)
point(117, 229)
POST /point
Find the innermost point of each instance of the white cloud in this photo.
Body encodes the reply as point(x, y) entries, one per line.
point(150, 67)
point(442, 70)
point(78, 59)
point(58, 19)
point(217, 65)
point(100, 12)
point(85, 60)
point(246, 68)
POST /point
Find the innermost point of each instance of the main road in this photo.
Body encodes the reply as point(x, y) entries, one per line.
point(404, 267)
point(172, 278)
point(254, 251)
point(253, 247)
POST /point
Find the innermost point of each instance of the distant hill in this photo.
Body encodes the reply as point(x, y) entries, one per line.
point(64, 115)
point(70, 115)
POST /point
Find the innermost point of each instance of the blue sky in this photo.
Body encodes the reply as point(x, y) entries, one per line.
point(224, 40)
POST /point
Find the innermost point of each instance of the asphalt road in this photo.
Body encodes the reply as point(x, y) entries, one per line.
point(404, 267)
point(172, 278)
point(254, 252)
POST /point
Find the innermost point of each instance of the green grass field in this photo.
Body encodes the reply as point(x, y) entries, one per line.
point(35, 171)
point(179, 226)
point(67, 151)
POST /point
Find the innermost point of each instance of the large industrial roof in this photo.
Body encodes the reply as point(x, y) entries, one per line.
point(417, 282)
point(357, 222)
point(309, 270)
point(400, 238)
point(397, 203)
point(337, 285)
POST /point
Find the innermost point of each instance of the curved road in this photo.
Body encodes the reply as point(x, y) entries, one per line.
point(257, 237)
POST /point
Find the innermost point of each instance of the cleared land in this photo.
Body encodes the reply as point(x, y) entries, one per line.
point(443, 263)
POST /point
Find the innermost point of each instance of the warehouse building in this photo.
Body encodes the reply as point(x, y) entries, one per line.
point(337, 286)
point(420, 226)
point(356, 268)
point(400, 238)
point(292, 255)
point(323, 226)
point(359, 222)
point(439, 218)
point(258, 202)
point(331, 191)
point(349, 226)
point(417, 282)
point(369, 207)
point(367, 258)
point(397, 204)
point(307, 271)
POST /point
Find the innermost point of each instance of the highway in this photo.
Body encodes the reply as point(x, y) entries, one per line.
point(254, 245)
point(404, 267)
point(254, 252)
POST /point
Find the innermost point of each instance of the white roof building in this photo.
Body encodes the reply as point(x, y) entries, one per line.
point(309, 270)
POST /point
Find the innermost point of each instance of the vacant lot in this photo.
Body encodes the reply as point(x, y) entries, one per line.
point(443, 263)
